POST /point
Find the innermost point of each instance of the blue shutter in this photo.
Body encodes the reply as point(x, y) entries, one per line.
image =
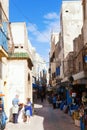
point(3, 36)
point(57, 71)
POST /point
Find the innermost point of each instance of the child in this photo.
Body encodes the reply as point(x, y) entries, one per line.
point(28, 110)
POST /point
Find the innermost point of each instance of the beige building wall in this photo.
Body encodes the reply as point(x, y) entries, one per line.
point(71, 23)
point(78, 50)
point(52, 46)
point(54, 40)
point(59, 58)
point(61, 55)
point(69, 64)
point(84, 3)
point(5, 6)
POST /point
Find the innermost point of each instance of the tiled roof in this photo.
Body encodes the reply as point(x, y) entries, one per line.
point(19, 55)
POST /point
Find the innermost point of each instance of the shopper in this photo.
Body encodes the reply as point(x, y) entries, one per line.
point(15, 108)
point(54, 101)
point(28, 110)
point(3, 116)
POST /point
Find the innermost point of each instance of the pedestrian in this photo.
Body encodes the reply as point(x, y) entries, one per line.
point(28, 110)
point(58, 101)
point(15, 108)
point(3, 116)
point(15, 100)
point(20, 112)
point(54, 101)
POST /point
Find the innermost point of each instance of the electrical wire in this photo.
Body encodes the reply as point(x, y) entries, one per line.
point(26, 17)
point(53, 61)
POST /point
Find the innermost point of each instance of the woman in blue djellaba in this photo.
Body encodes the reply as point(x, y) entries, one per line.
point(28, 110)
point(3, 116)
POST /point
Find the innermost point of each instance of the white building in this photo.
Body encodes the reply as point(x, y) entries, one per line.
point(19, 80)
point(38, 64)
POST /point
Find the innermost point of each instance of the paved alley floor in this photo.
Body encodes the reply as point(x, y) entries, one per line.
point(46, 118)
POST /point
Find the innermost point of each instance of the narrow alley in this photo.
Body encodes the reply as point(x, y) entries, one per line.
point(46, 118)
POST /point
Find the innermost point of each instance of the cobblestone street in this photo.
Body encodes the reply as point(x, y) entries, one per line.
point(45, 118)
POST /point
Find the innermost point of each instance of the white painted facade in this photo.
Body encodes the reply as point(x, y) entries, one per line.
point(39, 65)
point(20, 36)
point(38, 62)
point(19, 78)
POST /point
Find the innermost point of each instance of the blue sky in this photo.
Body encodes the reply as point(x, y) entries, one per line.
point(41, 17)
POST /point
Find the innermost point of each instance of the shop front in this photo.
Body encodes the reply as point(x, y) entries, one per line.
point(80, 88)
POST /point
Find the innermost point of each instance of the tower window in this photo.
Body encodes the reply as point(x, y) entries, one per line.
point(66, 11)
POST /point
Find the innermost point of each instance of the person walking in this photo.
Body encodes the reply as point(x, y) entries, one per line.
point(3, 116)
point(15, 108)
point(28, 110)
point(54, 101)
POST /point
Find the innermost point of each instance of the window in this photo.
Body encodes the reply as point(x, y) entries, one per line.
point(66, 11)
point(21, 46)
point(57, 71)
point(16, 47)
